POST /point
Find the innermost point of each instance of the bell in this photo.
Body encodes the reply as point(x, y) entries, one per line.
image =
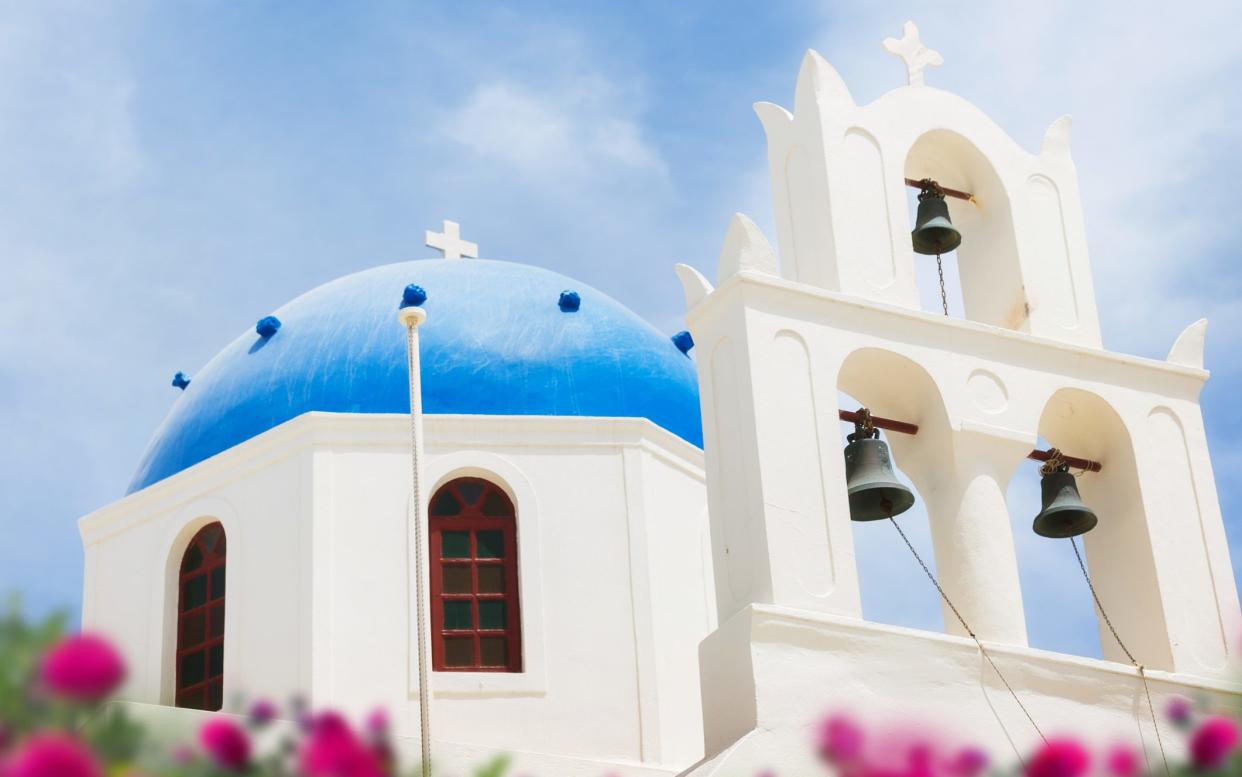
point(934, 233)
point(1063, 514)
point(870, 482)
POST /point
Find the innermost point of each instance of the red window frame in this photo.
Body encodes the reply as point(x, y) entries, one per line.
point(483, 513)
point(200, 621)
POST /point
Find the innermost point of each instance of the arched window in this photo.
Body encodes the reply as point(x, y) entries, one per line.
point(200, 621)
point(475, 624)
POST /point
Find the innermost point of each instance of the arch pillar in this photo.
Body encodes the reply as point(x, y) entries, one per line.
point(965, 496)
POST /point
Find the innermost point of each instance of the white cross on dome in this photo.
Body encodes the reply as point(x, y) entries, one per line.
point(450, 244)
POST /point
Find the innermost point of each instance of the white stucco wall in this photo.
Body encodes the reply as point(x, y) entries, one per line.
point(614, 580)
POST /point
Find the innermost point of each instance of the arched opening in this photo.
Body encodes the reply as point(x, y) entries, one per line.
point(200, 621)
point(475, 616)
point(985, 266)
point(1117, 552)
point(893, 587)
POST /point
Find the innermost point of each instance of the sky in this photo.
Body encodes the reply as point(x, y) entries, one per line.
point(171, 172)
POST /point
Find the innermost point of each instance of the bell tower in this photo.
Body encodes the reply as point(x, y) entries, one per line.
point(778, 337)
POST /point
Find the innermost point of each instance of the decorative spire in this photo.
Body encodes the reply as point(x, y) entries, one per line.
point(450, 244)
point(912, 51)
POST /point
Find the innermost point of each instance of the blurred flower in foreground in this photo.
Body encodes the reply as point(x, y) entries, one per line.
point(1179, 711)
point(262, 712)
point(84, 668)
point(53, 755)
point(332, 750)
point(969, 762)
point(1122, 761)
point(1213, 742)
point(839, 740)
point(226, 743)
point(1059, 758)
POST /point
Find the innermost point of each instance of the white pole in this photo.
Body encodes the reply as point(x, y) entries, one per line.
point(411, 317)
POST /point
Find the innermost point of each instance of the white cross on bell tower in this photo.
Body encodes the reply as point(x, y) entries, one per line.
point(449, 242)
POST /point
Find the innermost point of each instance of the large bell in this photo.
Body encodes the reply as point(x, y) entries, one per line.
point(934, 233)
point(1063, 514)
point(870, 482)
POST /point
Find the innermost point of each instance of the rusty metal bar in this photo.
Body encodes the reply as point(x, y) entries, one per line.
point(902, 427)
point(1073, 461)
point(879, 423)
point(913, 184)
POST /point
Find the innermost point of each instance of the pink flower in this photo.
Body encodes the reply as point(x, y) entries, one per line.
point(332, 750)
point(377, 722)
point(1213, 742)
point(262, 712)
point(226, 743)
point(839, 739)
point(54, 755)
point(1122, 761)
point(84, 668)
point(1059, 758)
point(1179, 710)
point(969, 762)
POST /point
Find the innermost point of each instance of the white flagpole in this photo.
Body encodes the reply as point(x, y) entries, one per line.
point(411, 317)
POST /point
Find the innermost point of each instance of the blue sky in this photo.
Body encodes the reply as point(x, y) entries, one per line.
point(174, 171)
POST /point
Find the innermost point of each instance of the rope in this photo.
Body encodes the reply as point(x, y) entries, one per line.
point(416, 409)
point(969, 631)
point(944, 297)
point(1142, 672)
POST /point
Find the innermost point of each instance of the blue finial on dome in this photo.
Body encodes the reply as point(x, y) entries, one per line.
point(569, 301)
point(181, 380)
point(413, 297)
point(267, 326)
point(683, 341)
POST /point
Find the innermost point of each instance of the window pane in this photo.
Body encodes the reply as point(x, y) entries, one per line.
point(455, 544)
point(491, 544)
point(470, 490)
point(491, 579)
point(456, 579)
point(192, 700)
point(215, 696)
point(217, 660)
point(192, 669)
point(459, 652)
point(220, 549)
point(445, 504)
point(457, 615)
point(217, 583)
point(193, 558)
point(217, 620)
point(193, 629)
point(194, 592)
point(491, 615)
point(496, 505)
point(209, 536)
point(493, 651)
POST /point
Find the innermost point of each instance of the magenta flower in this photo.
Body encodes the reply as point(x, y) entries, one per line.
point(1059, 758)
point(332, 750)
point(1213, 742)
point(84, 667)
point(1179, 710)
point(839, 739)
point(1122, 761)
point(969, 762)
point(226, 743)
point(377, 722)
point(262, 712)
point(53, 755)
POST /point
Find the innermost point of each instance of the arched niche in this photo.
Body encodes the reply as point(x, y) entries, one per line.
point(991, 277)
point(1119, 552)
point(894, 589)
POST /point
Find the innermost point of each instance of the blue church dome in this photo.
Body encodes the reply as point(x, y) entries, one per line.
point(498, 341)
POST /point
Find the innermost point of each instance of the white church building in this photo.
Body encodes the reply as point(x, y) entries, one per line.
point(638, 558)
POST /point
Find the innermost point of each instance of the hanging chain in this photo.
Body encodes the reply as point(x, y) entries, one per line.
point(1108, 622)
point(966, 626)
point(944, 297)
